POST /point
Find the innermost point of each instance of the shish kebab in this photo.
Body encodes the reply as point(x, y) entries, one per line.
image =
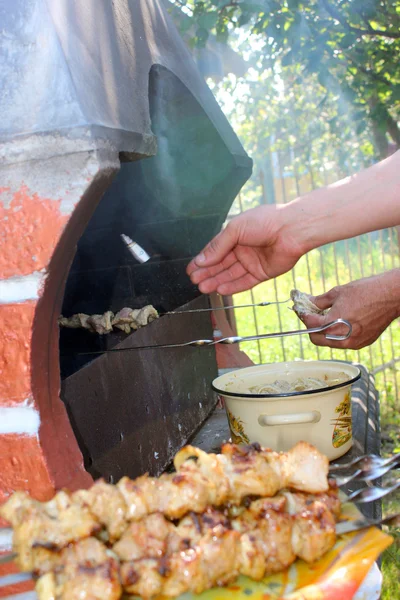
point(100, 542)
point(200, 480)
point(158, 557)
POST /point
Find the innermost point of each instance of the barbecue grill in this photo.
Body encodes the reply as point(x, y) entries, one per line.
point(107, 129)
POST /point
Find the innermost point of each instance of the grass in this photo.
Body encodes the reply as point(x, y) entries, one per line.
point(318, 272)
point(391, 557)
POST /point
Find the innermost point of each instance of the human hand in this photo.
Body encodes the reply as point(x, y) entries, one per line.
point(369, 304)
point(257, 245)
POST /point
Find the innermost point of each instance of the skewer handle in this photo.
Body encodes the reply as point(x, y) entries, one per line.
point(235, 339)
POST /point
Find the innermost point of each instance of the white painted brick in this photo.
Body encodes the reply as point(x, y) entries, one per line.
point(21, 288)
point(5, 540)
point(21, 420)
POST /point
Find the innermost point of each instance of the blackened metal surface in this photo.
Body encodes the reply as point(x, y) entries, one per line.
point(132, 411)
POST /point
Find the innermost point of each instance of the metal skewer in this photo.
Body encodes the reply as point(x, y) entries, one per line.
point(236, 339)
point(200, 310)
point(371, 494)
point(369, 472)
point(366, 462)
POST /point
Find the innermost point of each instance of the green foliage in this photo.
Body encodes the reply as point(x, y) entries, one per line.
point(349, 45)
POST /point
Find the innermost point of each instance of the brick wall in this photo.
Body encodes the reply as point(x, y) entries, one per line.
point(43, 208)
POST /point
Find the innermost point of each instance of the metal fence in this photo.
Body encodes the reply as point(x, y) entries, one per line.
point(317, 272)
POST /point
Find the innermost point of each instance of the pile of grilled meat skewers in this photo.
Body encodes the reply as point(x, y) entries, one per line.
point(246, 511)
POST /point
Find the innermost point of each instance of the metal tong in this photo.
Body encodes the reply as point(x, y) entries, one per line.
point(236, 339)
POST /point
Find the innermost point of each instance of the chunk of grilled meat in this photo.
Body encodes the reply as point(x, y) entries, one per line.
point(107, 505)
point(314, 532)
point(298, 502)
point(266, 542)
point(41, 529)
point(86, 572)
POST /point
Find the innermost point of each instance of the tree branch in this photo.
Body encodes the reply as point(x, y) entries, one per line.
point(371, 74)
point(335, 14)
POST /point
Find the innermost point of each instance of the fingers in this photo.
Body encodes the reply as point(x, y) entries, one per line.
point(217, 249)
point(324, 301)
point(242, 284)
point(311, 320)
point(197, 275)
point(234, 272)
point(319, 339)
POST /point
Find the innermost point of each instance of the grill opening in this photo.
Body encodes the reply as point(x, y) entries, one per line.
point(131, 411)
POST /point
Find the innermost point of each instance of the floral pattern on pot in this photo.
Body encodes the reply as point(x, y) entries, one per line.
point(237, 429)
point(343, 425)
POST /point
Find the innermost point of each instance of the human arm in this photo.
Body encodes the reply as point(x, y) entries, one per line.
point(265, 242)
point(369, 304)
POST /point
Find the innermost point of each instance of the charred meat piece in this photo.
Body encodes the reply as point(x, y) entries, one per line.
point(213, 561)
point(304, 469)
point(145, 539)
point(127, 319)
point(313, 532)
point(87, 573)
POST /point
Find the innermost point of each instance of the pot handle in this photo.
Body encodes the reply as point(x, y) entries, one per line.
point(290, 419)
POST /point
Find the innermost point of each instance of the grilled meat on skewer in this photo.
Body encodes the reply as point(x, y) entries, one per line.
point(207, 547)
point(157, 556)
point(127, 320)
point(203, 479)
point(262, 540)
point(200, 480)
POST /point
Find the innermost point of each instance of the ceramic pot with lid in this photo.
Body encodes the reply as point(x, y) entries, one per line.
point(278, 421)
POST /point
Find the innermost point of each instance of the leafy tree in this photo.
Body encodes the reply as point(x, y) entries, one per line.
point(352, 48)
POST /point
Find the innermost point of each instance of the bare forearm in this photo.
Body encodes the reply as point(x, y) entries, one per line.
point(365, 202)
point(390, 282)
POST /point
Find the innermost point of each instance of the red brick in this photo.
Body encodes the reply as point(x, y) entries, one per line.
point(30, 229)
point(15, 348)
point(19, 588)
point(23, 467)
